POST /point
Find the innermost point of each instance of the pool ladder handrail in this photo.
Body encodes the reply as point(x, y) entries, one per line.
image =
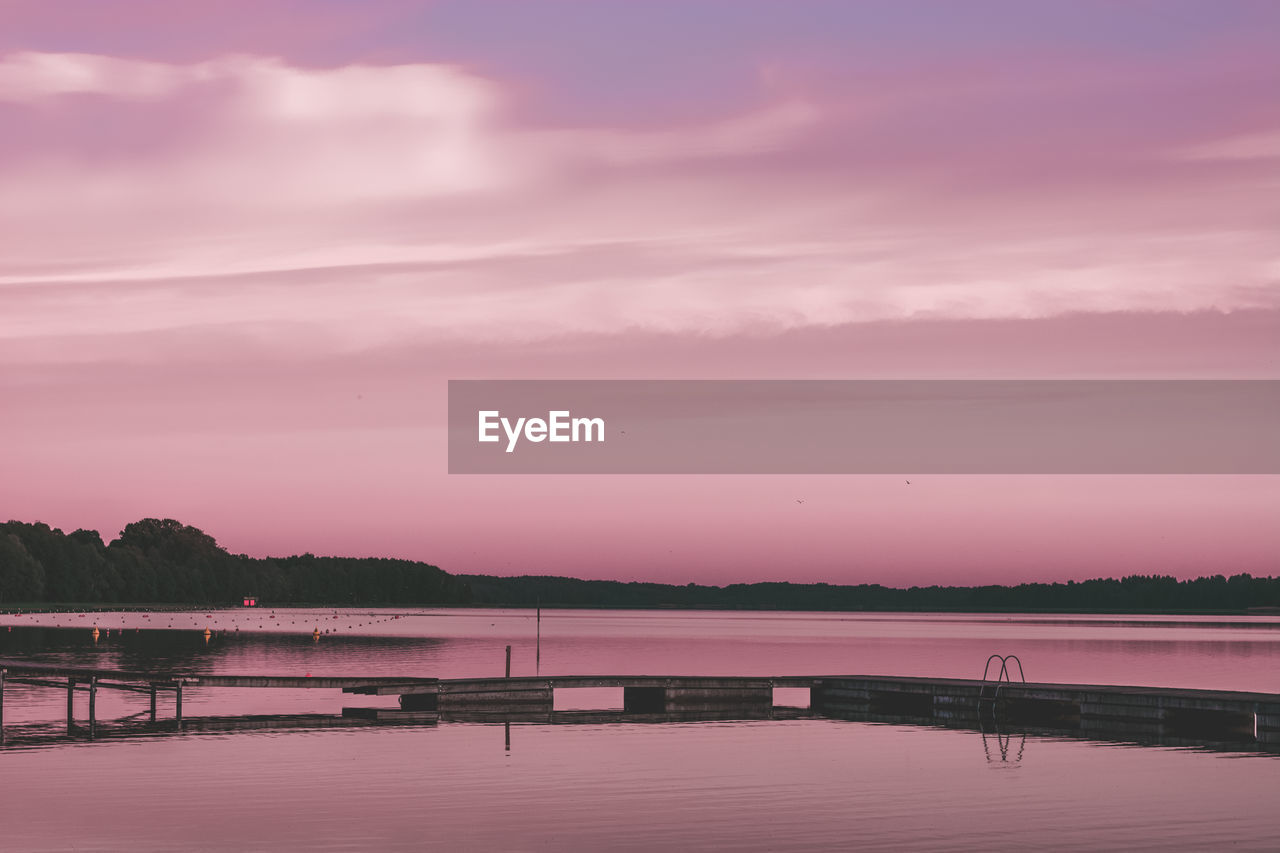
point(1004, 674)
point(1002, 677)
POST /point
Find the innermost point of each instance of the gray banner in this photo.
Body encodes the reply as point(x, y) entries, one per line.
point(864, 426)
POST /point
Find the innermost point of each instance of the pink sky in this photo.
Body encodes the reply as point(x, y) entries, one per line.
point(243, 247)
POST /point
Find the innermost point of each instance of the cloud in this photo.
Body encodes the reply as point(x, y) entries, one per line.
point(765, 130)
point(363, 203)
point(263, 163)
point(28, 77)
point(268, 133)
point(1251, 146)
point(355, 132)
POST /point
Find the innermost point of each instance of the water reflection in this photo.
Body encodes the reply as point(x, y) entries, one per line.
point(997, 745)
point(191, 653)
point(1228, 653)
point(783, 784)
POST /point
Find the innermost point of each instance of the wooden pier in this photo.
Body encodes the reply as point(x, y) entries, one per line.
point(91, 680)
point(1105, 712)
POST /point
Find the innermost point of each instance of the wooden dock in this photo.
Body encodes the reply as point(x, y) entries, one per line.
point(91, 680)
point(1103, 711)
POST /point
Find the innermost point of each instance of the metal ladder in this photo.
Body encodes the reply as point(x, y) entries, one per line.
point(989, 692)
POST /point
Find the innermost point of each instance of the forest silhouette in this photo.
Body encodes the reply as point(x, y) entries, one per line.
point(162, 561)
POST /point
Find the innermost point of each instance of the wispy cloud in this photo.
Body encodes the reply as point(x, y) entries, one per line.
point(1251, 146)
point(250, 168)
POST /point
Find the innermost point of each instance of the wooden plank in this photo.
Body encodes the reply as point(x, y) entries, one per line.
point(62, 685)
point(577, 681)
point(44, 682)
point(1101, 726)
point(119, 675)
point(832, 693)
point(1048, 689)
point(391, 715)
point(413, 688)
point(494, 697)
point(1126, 712)
point(303, 682)
point(956, 714)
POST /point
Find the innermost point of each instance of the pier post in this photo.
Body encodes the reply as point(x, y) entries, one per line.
point(71, 695)
point(153, 701)
point(2, 674)
point(508, 661)
point(93, 704)
point(178, 702)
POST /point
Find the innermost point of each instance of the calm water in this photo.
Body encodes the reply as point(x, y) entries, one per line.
point(767, 785)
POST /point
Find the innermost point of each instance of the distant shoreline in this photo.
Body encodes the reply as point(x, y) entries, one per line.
point(172, 607)
point(165, 564)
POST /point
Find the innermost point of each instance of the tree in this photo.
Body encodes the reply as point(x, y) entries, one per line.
point(21, 575)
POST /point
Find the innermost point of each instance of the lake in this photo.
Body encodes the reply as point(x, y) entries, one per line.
point(787, 783)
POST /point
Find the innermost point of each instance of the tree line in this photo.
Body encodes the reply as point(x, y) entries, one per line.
point(163, 561)
point(1134, 594)
point(166, 562)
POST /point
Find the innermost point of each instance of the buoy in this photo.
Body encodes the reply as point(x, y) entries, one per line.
point(95, 633)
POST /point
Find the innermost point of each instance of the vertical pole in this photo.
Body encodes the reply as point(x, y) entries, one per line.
point(71, 694)
point(178, 703)
point(508, 736)
point(153, 701)
point(2, 675)
point(538, 660)
point(508, 661)
point(93, 704)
